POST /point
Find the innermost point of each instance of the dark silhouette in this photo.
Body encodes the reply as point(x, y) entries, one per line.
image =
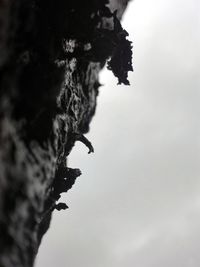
point(50, 55)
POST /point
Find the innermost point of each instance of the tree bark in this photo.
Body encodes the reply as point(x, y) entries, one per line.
point(51, 53)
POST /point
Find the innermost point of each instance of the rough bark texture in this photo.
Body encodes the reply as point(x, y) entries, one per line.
point(50, 55)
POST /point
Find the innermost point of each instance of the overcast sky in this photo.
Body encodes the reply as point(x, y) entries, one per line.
point(137, 203)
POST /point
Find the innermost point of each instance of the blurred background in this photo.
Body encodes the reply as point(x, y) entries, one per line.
point(137, 203)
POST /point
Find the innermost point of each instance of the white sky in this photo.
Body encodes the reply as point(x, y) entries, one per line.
point(137, 203)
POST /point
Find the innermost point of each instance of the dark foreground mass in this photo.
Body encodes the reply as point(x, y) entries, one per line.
point(50, 55)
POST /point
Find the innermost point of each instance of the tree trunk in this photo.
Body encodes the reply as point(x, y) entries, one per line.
point(50, 55)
